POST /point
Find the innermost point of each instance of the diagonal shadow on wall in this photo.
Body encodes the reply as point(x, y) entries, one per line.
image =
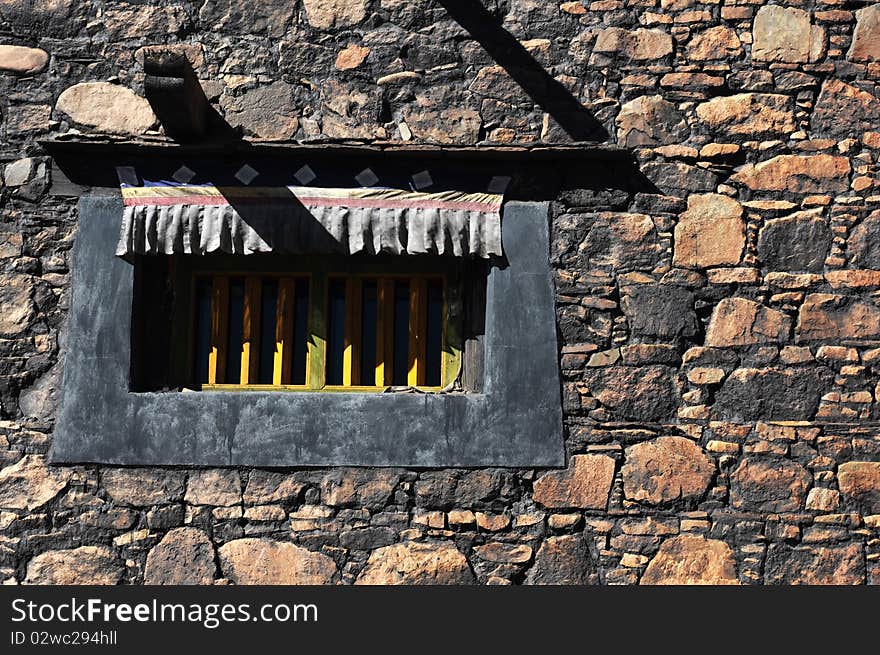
point(548, 93)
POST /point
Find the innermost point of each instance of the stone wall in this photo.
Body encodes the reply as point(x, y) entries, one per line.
point(719, 322)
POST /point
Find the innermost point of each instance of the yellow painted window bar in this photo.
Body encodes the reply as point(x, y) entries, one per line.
point(323, 332)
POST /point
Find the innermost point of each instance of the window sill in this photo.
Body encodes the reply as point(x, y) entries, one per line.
point(306, 389)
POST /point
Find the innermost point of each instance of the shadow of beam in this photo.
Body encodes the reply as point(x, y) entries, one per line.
point(179, 102)
point(548, 93)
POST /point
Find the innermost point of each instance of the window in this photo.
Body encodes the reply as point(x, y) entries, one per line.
point(322, 331)
point(306, 323)
point(132, 352)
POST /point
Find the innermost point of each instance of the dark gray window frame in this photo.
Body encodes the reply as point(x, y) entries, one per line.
point(516, 421)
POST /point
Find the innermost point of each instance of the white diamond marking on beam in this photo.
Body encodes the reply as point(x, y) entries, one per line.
point(366, 177)
point(246, 174)
point(305, 175)
point(184, 175)
point(422, 180)
point(498, 184)
point(127, 175)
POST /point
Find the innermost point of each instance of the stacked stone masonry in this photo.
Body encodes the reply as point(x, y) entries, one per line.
point(719, 337)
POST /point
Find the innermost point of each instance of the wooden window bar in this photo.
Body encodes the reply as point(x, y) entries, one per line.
point(250, 341)
point(219, 330)
point(283, 360)
point(351, 355)
point(418, 309)
point(384, 332)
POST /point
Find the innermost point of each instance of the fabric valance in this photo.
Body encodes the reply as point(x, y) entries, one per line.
point(199, 219)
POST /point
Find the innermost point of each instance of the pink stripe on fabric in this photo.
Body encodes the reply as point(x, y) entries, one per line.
point(180, 200)
point(398, 204)
point(366, 203)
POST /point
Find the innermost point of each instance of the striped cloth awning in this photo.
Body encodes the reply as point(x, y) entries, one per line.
point(171, 219)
